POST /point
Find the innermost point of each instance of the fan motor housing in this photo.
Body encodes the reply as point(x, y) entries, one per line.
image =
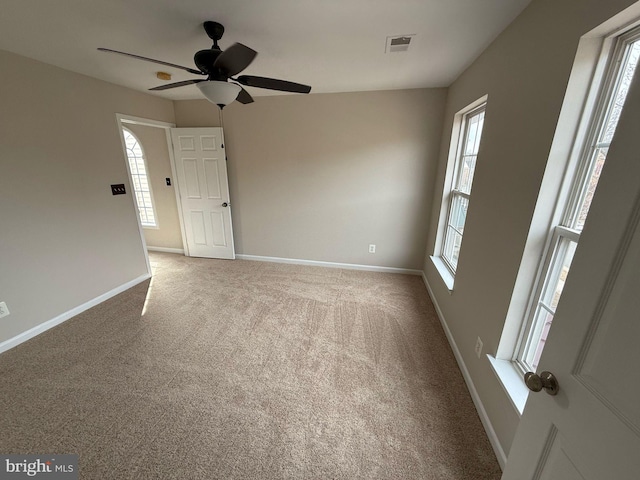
point(204, 60)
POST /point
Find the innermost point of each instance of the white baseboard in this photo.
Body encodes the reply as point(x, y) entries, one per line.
point(346, 266)
point(165, 250)
point(43, 327)
point(484, 418)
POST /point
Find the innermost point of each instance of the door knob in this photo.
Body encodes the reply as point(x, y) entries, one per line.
point(546, 380)
point(225, 204)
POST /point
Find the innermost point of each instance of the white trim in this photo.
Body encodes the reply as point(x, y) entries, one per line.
point(176, 191)
point(443, 270)
point(347, 266)
point(165, 250)
point(482, 413)
point(132, 195)
point(122, 119)
point(43, 327)
point(512, 382)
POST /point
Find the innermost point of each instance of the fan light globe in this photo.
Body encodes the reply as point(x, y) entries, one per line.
point(220, 93)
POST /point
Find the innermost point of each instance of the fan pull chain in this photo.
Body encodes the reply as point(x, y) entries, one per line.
point(221, 122)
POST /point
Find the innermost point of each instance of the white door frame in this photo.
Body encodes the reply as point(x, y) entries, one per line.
point(121, 120)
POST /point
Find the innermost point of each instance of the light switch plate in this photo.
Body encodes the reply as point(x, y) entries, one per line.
point(118, 189)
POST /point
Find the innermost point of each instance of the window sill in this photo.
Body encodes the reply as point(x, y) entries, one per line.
point(151, 227)
point(511, 381)
point(444, 272)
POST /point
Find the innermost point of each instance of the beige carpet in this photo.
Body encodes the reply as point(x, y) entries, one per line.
point(248, 370)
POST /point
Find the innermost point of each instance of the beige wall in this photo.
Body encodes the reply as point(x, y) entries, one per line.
point(64, 239)
point(156, 150)
point(525, 73)
point(320, 177)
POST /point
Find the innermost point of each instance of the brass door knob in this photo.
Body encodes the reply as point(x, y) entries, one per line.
point(546, 381)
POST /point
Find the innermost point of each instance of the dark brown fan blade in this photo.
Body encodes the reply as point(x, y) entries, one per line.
point(159, 62)
point(178, 84)
point(272, 84)
point(244, 97)
point(235, 59)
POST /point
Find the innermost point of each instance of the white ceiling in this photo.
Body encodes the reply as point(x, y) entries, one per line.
point(332, 45)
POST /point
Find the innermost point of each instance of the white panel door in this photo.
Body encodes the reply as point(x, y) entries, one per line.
point(591, 429)
point(201, 170)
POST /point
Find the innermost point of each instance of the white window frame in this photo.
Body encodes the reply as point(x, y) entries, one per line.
point(550, 269)
point(568, 228)
point(444, 265)
point(582, 103)
point(147, 225)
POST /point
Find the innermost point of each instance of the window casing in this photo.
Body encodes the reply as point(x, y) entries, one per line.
point(564, 237)
point(140, 180)
point(460, 192)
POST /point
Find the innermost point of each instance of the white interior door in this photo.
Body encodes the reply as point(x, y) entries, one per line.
point(591, 429)
point(201, 171)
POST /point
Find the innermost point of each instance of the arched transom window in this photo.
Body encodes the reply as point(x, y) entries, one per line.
point(140, 180)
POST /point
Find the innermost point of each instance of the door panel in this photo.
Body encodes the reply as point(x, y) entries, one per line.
point(212, 176)
point(611, 359)
point(558, 462)
point(203, 188)
point(192, 182)
point(198, 228)
point(217, 220)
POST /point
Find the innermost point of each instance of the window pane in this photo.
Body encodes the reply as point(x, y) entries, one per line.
point(453, 241)
point(551, 293)
point(467, 169)
point(148, 217)
point(140, 167)
point(139, 180)
point(558, 274)
point(458, 216)
point(544, 320)
point(474, 132)
point(608, 129)
point(600, 155)
point(132, 163)
point(467, 161)
point(620, 93)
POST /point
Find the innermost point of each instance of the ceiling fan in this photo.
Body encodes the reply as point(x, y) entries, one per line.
point(220, 67)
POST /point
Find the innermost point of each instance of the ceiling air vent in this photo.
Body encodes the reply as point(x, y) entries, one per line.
point(398, 43)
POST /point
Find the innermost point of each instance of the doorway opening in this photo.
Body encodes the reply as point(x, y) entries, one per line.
point(156, 193)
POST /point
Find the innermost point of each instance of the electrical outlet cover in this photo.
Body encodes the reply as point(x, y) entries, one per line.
point(478, 347)
point(4, 311)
